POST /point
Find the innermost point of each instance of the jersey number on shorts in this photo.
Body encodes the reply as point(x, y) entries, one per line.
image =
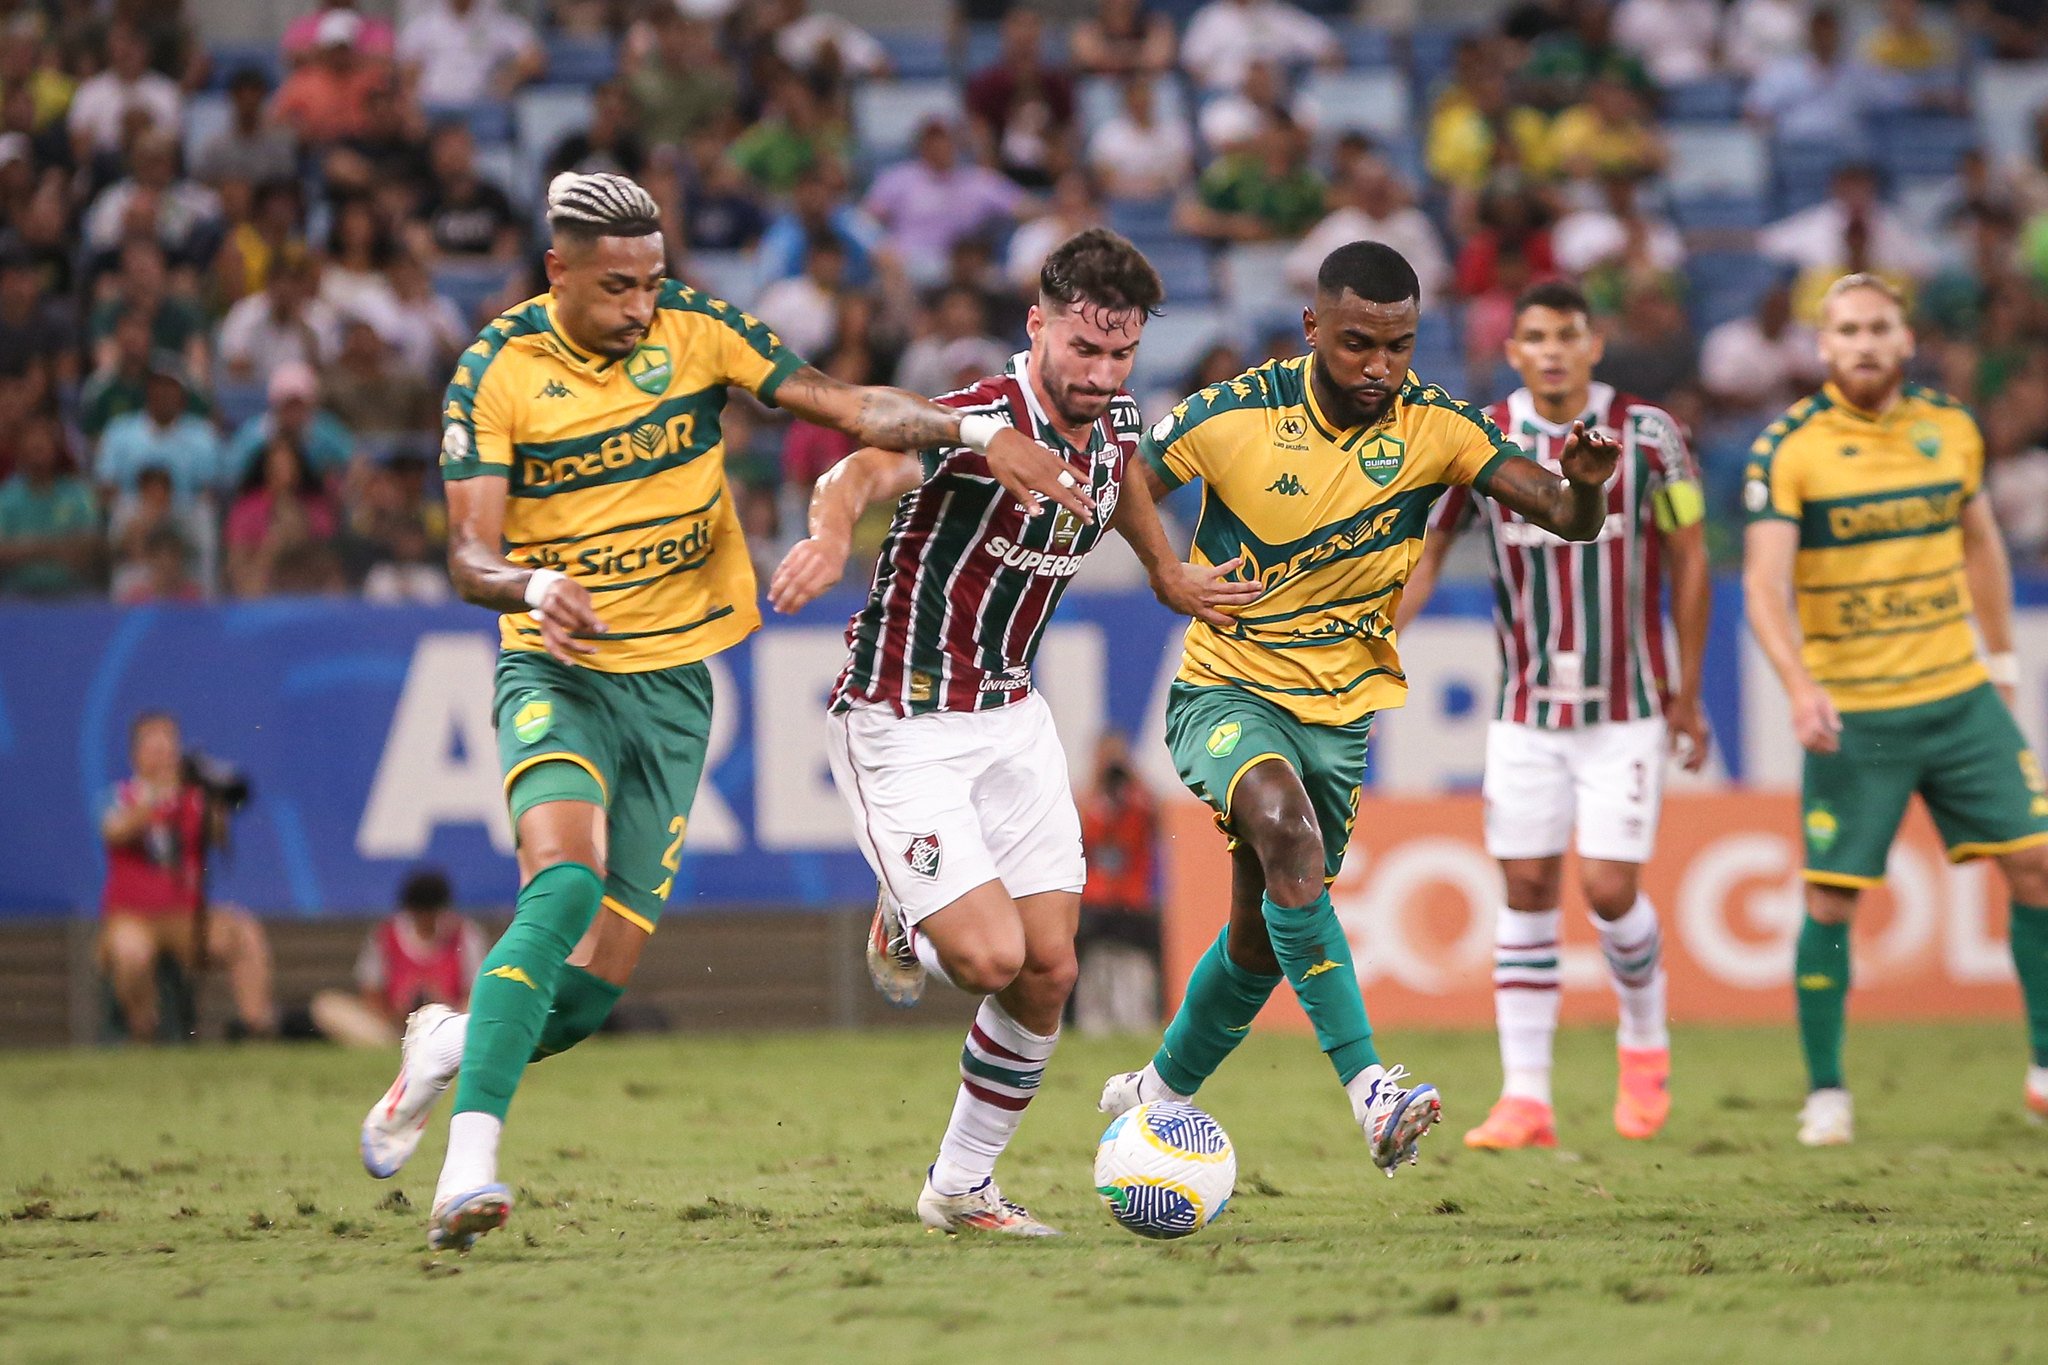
point(672, 857)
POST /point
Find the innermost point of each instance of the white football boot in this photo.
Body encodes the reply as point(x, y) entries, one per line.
point(982, 1208)
point(1127, 1090)
point(1396, 1117)
point(460, 1219)
point(395, 1124)
point(1828, 1119)
point(892, 962)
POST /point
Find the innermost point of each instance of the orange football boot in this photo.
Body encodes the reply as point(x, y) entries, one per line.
point(1514, 1122)
point(1642, 1101)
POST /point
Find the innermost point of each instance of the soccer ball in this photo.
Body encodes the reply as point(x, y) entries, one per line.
point(1165, 1170)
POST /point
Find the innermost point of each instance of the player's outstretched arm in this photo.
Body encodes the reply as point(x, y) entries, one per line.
point(842, 493)
point(896, 419)
point(1572, 507)
point(1989, 574)
point(1204, 591)
point(483, 576)
point(1768, 551)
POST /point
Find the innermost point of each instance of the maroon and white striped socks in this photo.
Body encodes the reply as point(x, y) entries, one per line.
point(1000, 1068)
point(1525, 998)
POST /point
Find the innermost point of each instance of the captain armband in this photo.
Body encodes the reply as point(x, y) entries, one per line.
point(1678, 505)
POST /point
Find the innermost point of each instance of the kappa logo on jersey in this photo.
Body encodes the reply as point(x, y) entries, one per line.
point(1381, 456)
point(649, 369)
point(511, 973)
point(1223, 739)
point(555, 388)
point(1287, 486)
point(534, 718)
point(921, 855)
point(1821, 829)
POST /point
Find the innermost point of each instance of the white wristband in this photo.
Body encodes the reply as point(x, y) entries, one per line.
point(538, 585)
point(2004, 668)
point(977, 429)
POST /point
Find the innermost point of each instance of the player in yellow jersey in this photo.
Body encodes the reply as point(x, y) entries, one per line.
point(1319, 473)
point(1866, 507)
point(587, 503)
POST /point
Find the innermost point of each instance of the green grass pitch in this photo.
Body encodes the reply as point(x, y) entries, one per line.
point(742, 1199)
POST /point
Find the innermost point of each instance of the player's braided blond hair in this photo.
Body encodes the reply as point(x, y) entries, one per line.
point(601, 205)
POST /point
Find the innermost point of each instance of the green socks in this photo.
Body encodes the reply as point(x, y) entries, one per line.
point(508, 1007)
point(1820, 973)
point(1214, 1017)
point(2030, 957)
point(582, 1003)
point(1316, 957)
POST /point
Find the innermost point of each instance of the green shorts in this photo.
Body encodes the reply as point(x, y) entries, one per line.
point(1963, 754)
point(634, 742)
point(1217, 734)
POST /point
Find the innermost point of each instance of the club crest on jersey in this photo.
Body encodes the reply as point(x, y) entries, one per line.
point(1380, 457)
point(921, 855)
point(1223, 739)
point(1821, 829)
point(649, 369)
point(1926, 438)
point(534, 718)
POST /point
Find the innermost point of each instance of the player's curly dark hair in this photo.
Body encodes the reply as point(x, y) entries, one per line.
point(1372, 270)
point(1101, 269)
point(1559, 296)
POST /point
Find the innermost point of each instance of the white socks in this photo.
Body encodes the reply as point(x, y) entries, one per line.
point(472, 1155)
point(1152, 1087)
point(999, 1073)
point(1525, 999)
point(929, 956)
point(1359, 1088)
point(440, 1054)
point(1634, 948)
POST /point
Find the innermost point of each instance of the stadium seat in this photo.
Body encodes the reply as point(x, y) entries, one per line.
point(1719, 176)
point(1715, 212)
point(580, 62)
point(984, 44)
point(1142, 220)
point(1712, 100)
point(1254, 277)
point(1429, 59)
point(886, 114)
point(1366, 45)
point(1922, 146)
point(499, 164)
point(206, 113)
point(1100, 99)
point(1440, 346)
point(470, 287)
point(542, 118)
point(228, 58)
point(489, 121)
point(2005, 95)
point(1374, 102)
point(1727, 284)
point(1185, 267)
point(916, 54)
point(734, 276)
point(235, 402)
point(1175, 340)
point(1800, 172)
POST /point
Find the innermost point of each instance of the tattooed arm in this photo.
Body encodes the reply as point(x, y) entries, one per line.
point(894, 419)
point(1573, 507)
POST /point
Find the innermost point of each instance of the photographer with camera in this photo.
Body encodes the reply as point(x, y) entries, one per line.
point(1118, 944)
point(160, 828)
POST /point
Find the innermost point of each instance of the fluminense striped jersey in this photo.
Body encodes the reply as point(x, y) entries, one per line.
point(966, 583)
point(1583, 638)
point(617, 469)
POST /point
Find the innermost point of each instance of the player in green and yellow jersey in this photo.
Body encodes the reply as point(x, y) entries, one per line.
point(588, 503)
point(1319, 473)
point(1866, 506)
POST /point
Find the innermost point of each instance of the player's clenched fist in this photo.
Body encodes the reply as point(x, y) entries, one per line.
point(563, 608)
point(1589, 456)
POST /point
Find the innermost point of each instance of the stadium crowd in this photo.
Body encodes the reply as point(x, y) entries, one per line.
point(234, 277)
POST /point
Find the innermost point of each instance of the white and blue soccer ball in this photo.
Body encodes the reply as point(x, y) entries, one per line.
point(1165, 1170)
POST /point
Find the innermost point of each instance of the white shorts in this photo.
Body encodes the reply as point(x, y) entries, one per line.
point(948, 800)
point(1608, 779)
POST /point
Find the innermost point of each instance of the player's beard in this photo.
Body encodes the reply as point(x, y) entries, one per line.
point(1869, 390)
point(1356, 409)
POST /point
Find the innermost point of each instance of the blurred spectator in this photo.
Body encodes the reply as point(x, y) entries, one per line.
point(804, 308)
point(1761, 362)
point(610, 145)
point(1071, 209)
point(250, 149)
point(291, 415)
point(2016, 480)
point(328, 98)
point(1619, 242)
point(1023, 106)
point(395, 544)
point(32, 66)
point(818, 204)
point(160, 828)
point(466, 217)
point(1476, 130)
point(955, 340)
point(426, 330)
point(280, 526)
point(2028, 177)
point(101, 108)
point(1138, 154)
point(1650, 348)
point(1260, 191)
point(809, 450)
point(49, 520)
point(720, 210)
point(118, 383)
point(1123, 38)
point(1609, 133)
point(1673, 39)
point(1229, 117)
point(368, 393)
point(1906, 40)
point(425, 954)
point(461, 52)
point(1851, 230)
point(1824, 94)
point(285, 323)
point(683, 85)
point(824, 45)
point(37, 339)
point(793, 137)
point(1952, 306)
point(1757, 34)
point(374, 37)
point(2014, 27)
point(1118, 942)
point(1565, 63)
point(1225, 37)
point(359, 249)
point(164, 549)
point(272, 231)
point(182, 215)
point(389, 155)
point(1371, 203)
point(928, 203)
point(164, 434)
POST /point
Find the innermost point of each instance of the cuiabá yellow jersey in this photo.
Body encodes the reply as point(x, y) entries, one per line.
point(1330, 520)
point(1878, 499)
point(617, 469)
